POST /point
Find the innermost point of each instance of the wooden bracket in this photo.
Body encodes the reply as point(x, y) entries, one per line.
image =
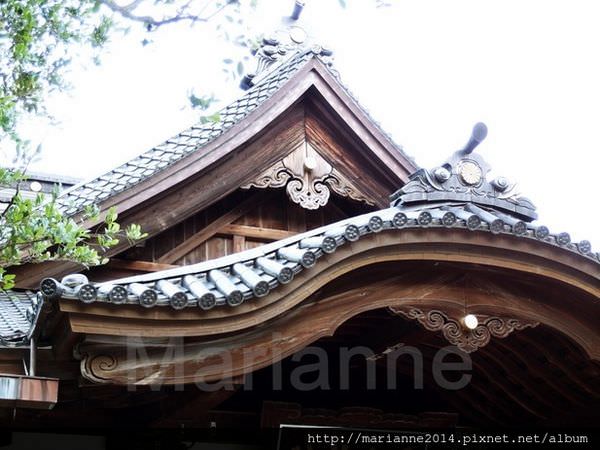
point(467, 340)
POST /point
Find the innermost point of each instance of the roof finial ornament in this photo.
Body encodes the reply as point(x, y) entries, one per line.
point(478, 134)
point(462, 179)
point(298, 7)
point(282, 45)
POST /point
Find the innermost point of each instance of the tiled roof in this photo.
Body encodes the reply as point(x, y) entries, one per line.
point(234, 279)
point(18, 313)
point(457, 194)
point(176, 148)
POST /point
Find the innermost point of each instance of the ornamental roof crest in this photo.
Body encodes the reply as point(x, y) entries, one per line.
point(463, 178)
point(281, 45)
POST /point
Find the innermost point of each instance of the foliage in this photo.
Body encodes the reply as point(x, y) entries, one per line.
point(35, 230)
point(39, 39)
point(35, 38)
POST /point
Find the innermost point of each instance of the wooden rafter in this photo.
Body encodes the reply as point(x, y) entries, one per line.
point(259, 233)
point(142, 266)
point(212, 228)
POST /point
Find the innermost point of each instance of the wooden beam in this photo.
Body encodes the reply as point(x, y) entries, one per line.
point(325, 314)
point(212, 228)
point(498, 253)
point(142, 266)
point(265, 234)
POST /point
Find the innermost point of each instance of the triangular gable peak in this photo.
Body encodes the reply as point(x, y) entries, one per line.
point(301, 76)
point(297, 130)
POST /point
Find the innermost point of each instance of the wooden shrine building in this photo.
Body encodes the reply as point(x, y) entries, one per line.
point(301, 269)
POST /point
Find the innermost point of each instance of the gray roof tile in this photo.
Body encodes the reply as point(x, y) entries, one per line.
point(235, 278)
point(18, 313)
point(163, 155)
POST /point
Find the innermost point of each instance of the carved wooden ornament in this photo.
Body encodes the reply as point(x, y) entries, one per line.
point(308, 179)
point(455, 333)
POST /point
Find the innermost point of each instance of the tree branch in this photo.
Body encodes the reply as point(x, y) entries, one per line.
point(128, 12)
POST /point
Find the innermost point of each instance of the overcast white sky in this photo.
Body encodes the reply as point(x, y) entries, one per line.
point(427, 70)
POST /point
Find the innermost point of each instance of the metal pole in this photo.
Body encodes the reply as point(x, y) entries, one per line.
point(32, 357)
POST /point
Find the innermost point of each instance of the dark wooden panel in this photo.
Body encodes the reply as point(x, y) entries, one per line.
point(269, 215)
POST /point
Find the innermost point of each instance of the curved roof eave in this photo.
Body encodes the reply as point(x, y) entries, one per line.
point(251, 274)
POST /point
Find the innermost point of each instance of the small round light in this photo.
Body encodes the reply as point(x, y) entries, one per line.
point(470, 321)
point(35, 186)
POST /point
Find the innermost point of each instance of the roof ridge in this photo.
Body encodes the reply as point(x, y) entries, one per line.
point(336, 74)
point(177, 147)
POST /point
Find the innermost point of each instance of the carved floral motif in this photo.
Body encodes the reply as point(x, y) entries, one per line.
point(308, 179)
point(455, 333)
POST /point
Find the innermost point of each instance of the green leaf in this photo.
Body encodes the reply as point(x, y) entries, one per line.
point(111, 215)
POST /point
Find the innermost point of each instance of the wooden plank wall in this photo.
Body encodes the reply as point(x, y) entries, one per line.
point(270, 216)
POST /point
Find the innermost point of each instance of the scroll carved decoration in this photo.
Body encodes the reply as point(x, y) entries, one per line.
point(92, 365)
point(308, 179)
point(454, 332)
